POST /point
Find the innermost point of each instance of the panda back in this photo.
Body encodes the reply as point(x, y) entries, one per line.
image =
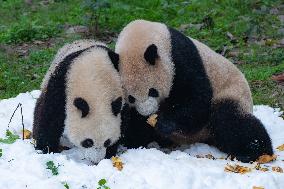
point(226, 79)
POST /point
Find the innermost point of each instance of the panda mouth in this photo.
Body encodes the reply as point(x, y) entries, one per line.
point(147, 107)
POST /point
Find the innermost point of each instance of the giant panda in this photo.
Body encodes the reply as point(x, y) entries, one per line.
point(198, 95)
point(81, 100)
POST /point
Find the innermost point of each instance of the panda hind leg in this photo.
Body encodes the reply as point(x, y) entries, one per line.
point(237, 133)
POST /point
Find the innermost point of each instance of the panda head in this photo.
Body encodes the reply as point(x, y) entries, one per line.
point(145, 64)
point(94, 100)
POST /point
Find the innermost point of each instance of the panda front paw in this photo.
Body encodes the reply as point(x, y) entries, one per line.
point(252, 151)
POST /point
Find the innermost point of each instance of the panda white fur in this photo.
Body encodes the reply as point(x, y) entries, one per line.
point(81, 98)
point(198, 95)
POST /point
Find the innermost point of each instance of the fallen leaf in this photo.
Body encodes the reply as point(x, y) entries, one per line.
point(266, 158)
point(264, 169)
point(231, 37)
point(27, 134)
point(278, 78)
point(280, 148)
point(258, 167)
point(117, 162)
point(152, 120)
point(277, 169)
point(237, 169)
point(257, 187)
point(199, 156)
point(209, 156)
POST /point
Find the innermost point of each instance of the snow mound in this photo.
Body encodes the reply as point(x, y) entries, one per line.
point(23, 167)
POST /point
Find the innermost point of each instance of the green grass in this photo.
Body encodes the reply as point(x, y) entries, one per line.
point(23, 74)
point(21, 23)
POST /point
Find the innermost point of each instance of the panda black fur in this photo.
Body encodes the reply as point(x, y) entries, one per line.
point(81, 99)
point(199, 95)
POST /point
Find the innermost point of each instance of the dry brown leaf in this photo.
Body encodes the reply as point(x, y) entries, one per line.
point(27, 134)
point(264, 169)
point(199, 156)
point(277, 169)
point(209, 156)
point(278, 77)
point(152, 120)
point(280, 148)
point(237, 169)
point(117, 162)
point(258, 167)
point(266, 158)
point(257, 187)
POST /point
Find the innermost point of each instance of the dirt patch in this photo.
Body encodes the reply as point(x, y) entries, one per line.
point(24, 49)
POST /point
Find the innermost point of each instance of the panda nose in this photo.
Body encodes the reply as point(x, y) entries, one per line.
point(131, 99)
point(87, 143)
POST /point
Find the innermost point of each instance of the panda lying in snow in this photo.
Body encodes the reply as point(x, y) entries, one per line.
point(81, 99)
point(198, 95)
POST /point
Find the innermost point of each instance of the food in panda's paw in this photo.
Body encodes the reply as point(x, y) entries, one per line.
point(27, 134)
point(266, 158)
point(152, 120)
point(117, 162)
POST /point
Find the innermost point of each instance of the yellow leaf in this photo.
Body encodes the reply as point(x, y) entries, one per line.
point(280, 148)
point(266, 158)
point(152, 120)
point(27, 134)
point(257, 187)
point(277, 169)
point(237, 169)
point(117, 162)
point(258, 167)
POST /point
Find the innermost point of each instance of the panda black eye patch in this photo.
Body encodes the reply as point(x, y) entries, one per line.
point(153, 93)
point(116, 106)
point(82, 105)
point(131, 99)
point(151, 54)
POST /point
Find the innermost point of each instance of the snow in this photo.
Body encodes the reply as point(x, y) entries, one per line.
point(23, 167)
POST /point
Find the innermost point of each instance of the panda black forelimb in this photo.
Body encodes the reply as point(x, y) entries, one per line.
point(182, 117)
point(112, 150)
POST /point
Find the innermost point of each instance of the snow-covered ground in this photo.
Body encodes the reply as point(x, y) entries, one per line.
point(22, 167)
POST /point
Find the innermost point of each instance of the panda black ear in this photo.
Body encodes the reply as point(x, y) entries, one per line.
point(114, 57)
point(151, 54)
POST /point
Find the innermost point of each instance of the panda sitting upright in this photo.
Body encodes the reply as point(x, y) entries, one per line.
point(198, 95)
point(81, 99)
